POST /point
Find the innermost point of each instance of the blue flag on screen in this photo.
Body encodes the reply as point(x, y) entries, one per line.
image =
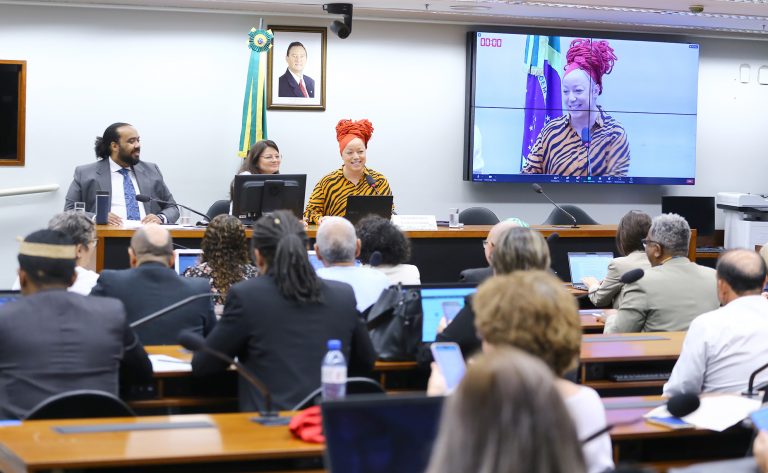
point(543, 96)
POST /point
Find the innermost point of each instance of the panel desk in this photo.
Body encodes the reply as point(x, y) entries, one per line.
point(662, 448)
point(440, 255)
point(606, 355)
point(232, 442)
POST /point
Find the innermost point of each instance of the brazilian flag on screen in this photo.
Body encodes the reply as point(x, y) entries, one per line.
point(543, 99)
point(254, 126)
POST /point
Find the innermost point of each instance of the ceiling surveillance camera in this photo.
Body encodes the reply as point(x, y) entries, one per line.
point(341, 29)
point(696, 8)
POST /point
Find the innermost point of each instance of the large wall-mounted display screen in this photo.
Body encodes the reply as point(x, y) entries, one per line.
point(581, 109)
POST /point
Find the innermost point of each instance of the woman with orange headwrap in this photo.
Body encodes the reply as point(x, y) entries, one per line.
point(353, 178)
point(586, 141)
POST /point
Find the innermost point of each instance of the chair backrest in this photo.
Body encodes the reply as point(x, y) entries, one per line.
point(217, 208)
point(478, 216)
point(559, 218)
point(354, 386)
point(82, 403)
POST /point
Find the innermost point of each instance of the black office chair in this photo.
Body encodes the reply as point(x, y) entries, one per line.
point(559, 218)
point(478, 216)
point(354, 386)
point(81, 403)
point(217, 208)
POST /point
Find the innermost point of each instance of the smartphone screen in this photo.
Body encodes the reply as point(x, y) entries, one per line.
point(451, 362)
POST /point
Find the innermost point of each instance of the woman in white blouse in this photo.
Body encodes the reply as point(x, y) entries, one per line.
point(379, 235)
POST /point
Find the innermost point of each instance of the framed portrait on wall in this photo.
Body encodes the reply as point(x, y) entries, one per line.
point(296, 79)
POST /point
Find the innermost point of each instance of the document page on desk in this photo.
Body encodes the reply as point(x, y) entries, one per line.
point(165, 364)
point(716, 412)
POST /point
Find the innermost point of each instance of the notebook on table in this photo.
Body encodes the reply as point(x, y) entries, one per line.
point(360, 206)
point(588, 264)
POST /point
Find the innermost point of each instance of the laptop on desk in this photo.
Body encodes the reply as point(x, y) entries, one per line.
point(584, 264)
point(438, 301)
point(186, 258)
point(380, 433)
point(359, 206)
point(7, 296)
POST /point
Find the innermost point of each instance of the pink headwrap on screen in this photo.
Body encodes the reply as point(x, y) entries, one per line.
point(347, 130)
point(596, 58)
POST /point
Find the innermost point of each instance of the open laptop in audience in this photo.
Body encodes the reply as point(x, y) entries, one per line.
point(588, 264)
point(8, 295)
point(186, 258)
point(380, 433)
point(438, 301)
point(359, 206)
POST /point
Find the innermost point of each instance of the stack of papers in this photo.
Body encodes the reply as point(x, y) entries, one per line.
point(717, 412)
point(166, 364)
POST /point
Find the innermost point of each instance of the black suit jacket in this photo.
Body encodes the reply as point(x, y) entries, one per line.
point(93, 177)
point(56, 341)
point(151, 287)
point(283, 342)
point(288, 87)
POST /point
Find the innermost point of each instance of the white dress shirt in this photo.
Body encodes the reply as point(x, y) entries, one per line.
point(588, 414)
point(722, 348)
point(366, 282)
point(118, 195)
point(85, 281)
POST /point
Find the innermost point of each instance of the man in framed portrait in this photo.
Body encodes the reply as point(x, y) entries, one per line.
point(294, 83)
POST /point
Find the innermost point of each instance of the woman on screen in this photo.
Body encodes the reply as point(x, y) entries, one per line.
point(586, 141)
point(329, 197)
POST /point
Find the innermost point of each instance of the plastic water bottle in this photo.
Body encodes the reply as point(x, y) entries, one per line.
point(334, 372)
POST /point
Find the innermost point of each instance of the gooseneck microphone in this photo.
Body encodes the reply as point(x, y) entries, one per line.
point(679, 405)
point(751, 392)
point(194, 342)
point(146, 198)
point(539, 190)
point(633, 275)
point(372, 182)
point(170, 308)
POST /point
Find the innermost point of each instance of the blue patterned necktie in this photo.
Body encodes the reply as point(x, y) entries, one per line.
point(131, 204)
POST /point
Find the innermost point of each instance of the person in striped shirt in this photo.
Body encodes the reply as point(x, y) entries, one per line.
point(586, 141)
point(329, 197)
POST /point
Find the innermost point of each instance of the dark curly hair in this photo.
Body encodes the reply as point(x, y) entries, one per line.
point(225, 249)
point(379, 234)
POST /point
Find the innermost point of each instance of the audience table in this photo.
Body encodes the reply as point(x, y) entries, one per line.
point(232, 443)
point(440, 254)
point(662, 448)
point(603, 355)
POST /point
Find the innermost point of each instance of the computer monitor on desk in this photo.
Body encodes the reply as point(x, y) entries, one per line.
point(256, 194)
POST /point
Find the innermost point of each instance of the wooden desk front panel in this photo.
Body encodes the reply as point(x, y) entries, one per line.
point(599, 359)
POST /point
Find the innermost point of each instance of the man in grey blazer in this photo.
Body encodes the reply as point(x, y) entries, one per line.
point(120, 172)
point(674, 291)
point(53, 341)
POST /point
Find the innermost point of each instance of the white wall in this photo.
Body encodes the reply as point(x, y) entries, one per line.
point(179, 78)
